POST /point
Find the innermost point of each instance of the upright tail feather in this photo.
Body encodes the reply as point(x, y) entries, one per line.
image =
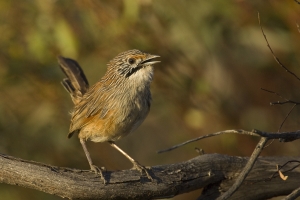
point(76, 83)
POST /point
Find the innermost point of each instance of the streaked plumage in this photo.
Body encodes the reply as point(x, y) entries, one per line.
point(116, 105)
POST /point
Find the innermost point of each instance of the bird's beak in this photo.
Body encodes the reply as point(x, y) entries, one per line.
point(149, 60)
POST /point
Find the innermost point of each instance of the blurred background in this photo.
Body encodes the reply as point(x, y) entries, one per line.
point(214, 60)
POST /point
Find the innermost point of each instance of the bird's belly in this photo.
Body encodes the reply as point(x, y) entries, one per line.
point(114, 126)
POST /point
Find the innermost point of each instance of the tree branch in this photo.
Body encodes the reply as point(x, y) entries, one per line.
point(259, 147)
point(202, 171)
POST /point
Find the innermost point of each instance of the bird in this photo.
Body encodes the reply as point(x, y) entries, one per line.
point(114, 106)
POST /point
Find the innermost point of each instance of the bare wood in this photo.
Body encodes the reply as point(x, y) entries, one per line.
point(260, 182)
point(208, 171)
point(259, 147)
point(293, 195)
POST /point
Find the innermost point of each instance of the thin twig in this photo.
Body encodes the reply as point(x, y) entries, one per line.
point(282, 124)
point(279, 95)
point(275, 174)
point(276, 59)
point(207, 136)
point(267, 145)
point(291, 169)
point(283, 136)
point(259, 147)
point(287, 115)
point(278, 102)
point(272, 92)
point(284, 102)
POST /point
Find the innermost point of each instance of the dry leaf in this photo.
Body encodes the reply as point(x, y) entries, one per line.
point(283, 177)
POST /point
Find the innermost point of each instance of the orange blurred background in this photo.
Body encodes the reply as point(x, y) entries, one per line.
point(214, 60)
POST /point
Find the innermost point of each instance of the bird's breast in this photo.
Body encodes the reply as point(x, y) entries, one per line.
point(125, 113)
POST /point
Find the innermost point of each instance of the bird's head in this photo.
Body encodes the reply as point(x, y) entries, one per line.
point(133, 64)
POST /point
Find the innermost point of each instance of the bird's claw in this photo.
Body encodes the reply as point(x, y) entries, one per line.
point(142, 169)
point(99, 171)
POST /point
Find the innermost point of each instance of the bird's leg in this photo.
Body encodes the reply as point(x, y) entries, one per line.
point(136, 165)
point(94, 168)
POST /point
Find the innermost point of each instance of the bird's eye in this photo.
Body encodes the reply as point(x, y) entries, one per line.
point(131, 61)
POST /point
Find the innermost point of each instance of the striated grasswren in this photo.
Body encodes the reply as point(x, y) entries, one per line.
point(113, 107)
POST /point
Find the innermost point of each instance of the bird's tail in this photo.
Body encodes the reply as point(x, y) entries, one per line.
point(75, 83)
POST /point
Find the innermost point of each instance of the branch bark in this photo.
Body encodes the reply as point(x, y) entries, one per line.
point(214, 172)
point(239, 180)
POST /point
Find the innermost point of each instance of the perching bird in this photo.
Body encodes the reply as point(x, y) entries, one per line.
point(113, 107)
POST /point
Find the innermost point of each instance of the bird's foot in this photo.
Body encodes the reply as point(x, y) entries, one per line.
point(99, 171)
point(142, 169)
